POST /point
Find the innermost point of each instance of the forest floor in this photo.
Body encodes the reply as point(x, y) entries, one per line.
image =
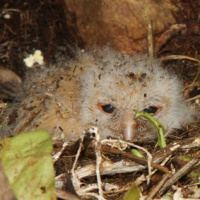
point(27, 26)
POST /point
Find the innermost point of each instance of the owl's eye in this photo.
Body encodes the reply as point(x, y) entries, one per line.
point(108, 108)
point(151, 109)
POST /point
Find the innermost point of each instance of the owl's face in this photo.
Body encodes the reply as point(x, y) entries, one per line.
point(115, 85)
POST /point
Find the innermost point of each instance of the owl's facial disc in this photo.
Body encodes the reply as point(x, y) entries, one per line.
point(129, 126)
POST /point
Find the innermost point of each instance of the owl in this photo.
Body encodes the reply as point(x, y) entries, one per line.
point(101, 88)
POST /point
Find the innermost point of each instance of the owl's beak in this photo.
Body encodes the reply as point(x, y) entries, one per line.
point(129, 125)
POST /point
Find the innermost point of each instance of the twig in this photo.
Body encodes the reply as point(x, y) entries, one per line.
point(149, 156)
point(193, 82)
point(193, 98)
point(180, 173)
point(179, 57)
point(76, 182)
point(150, 40)
point(58, 154)
point(137, 159)
point(167, 35)
point(158, 186)
point(98, 159)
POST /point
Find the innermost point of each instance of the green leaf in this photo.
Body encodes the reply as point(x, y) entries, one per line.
point(135, 152)
point(27, 161)
point(133, 193)
point(186, 158)
point(157, 124)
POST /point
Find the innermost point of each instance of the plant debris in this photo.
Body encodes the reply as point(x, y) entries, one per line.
point(28, 26)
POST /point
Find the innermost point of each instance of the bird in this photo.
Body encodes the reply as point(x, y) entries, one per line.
point(101, 88)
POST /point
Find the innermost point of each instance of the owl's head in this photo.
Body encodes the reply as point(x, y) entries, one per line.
point(114, 85)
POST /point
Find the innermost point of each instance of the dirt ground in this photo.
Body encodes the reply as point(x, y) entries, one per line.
point(29, 25)
point(26, 26)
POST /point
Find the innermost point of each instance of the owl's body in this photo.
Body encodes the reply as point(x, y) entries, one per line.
point(102, 89)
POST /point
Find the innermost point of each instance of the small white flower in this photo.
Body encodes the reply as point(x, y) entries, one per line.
point(29, 61)
point(7, 16)
point(36, 57)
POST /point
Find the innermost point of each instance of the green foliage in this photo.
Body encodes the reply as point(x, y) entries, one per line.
point(133, 193)
point(27, 161)
point(186, 158)
point(136, 153)
point(157, 124)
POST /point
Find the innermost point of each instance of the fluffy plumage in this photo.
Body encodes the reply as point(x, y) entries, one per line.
point(102, 88)
point(128, 83)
